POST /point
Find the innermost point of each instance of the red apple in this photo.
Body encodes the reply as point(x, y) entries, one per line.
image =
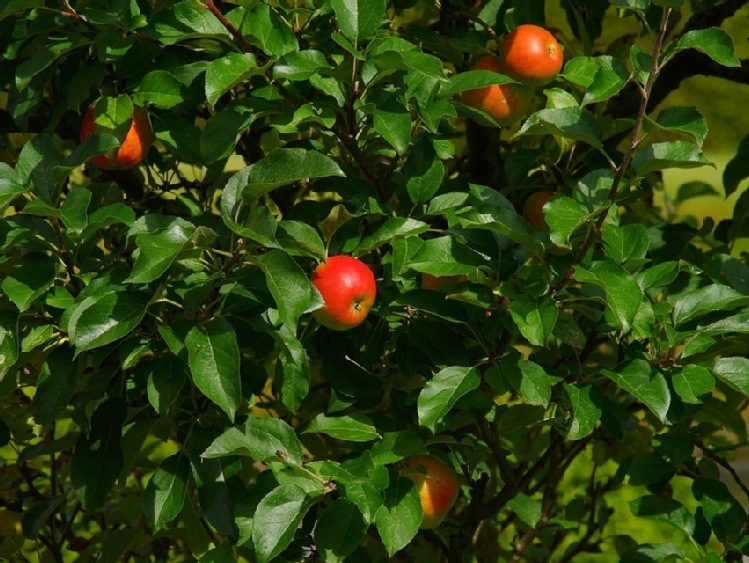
point(348, 288)
point(437, 485)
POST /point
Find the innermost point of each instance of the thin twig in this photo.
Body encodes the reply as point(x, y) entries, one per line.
point(724, 464)
point(645, 92)
point(238, 37)
point(69, 12)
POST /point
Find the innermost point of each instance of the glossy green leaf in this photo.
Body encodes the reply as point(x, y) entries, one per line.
point(166, 380)
point(160, 88)
point(424, 171)
point(584, 403)
point(55, 385)
point(626, 242)
point(668, 154)
point(221, 131)
point(534, 318)
point(386, 231)
point(9, 342)
point(290, 286)
point(166, 491)
point(565, 216)
point(104, 318)
point(300, 65)
point(11, 185)
point(664, 509)
point(292, 370)
point(638, 378)
point(213, 357)
point(157, 251)
point(29, 279)
point(686, 121)
point(573, 123)
point(268, 31)
point(355, 427)
point(228, 71)
point(529, 380)
point(715, 42)
point(399, 517)
point(442, 392)
point(528, 510)
point(734, 371)
point(276, 519)
point(722, 511)
point(393, 122)
point(693, 384)
point(97, 458)
point(36, 165)
point(705, 300)
point(358, 19)
point(262, 439)
point(608, 80)
point(623, 294)
point(472, 80)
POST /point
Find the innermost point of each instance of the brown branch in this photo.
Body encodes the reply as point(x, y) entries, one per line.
point(69, 12)
point(238, 37)
point(724, 464)
point(645, 92)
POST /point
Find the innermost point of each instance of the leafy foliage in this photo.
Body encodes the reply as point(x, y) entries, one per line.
point(165, 393)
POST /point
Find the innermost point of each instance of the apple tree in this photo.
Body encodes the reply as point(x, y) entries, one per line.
point(169, 389)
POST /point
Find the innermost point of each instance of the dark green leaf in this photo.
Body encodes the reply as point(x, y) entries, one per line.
point(166, 379)
point(442, 392)
point(293, 292)
point(609, 79)
point(392, 227)
point(97, 458)
point(166, 491)
point(30, 279)
point(736, 170)
point(268, 31)
point(684, 120)
point(664, 509)
point(573, 123)
point(715, 42)
point(300, 65)
point(11, 185)
point(565, 216)
point(340, 529)
point(623, 295)
point(262, 439)
point(584, 403)
point(358, 19)
point(160, 88)
point(535, 318)
point(528, 510)
point(55, 385)
point(705, 300)
point(734, 371)
point(213, 357)
point(424, 171)
point(668, 154)
point(528, 379)
point(226, 72)
point(722, 511)
point(693, 384)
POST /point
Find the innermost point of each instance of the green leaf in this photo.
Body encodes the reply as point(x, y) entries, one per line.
point(663, 509)
point(97, 458)
point(626, 242)
point(534, 318)
point(166, 380)
point(74, 210)
point(221, 131)
point(668, 154)
point(293, 292)
point(358, 19)
point(686, 121)
point(393, 122)
point(276, 519)
point(213, 357)
point(100, 319)
point(300, 237)
point(340, 529)
point(160, 88)
point(424, 172)
point(301, 65)
point(55, 385)
point(584, 403)
point(706, 300)
point(734, 371)
point(286, 166)
point(11, 185)
point(528, 510)
point(564, 216)
point(658, 275)
point(653, 552)
point(265, 29)
point(608, 80)
point(693, 383)
point(391, 228)
point(354, 427)
point(396, 446)
point(528, 379)
point(715, 42)
point(722, 511)
point(399, 517)
point(263, 439)
point(735, 171)
point(30, 279)
point(445, 256)
point(623, 295)
point(638, 378)
point(472, 80)
point(8, 343)
point(166, 491)
point(157, 251)
point(292, 369)
point(573, 123)
point(228, 71)
point(36, 165)
point(442, 392)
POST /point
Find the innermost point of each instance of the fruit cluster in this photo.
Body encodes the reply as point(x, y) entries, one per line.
point(532, 57)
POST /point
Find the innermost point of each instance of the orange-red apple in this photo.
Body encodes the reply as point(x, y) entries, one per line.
point(437, 485)
point(504, 102)
point(134, 146)
point(530, 54)
point(533, 210)
point(436, 283)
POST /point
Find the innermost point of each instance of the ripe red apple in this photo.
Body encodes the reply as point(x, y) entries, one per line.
point(437, 485)
point(348, 288)
point(530, 54)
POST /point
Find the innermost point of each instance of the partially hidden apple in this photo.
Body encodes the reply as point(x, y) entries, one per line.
point(134, 146)
point(348, 288)
point(437, 283)
point(504, 102)
point(533, 210)
point(437, 485)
